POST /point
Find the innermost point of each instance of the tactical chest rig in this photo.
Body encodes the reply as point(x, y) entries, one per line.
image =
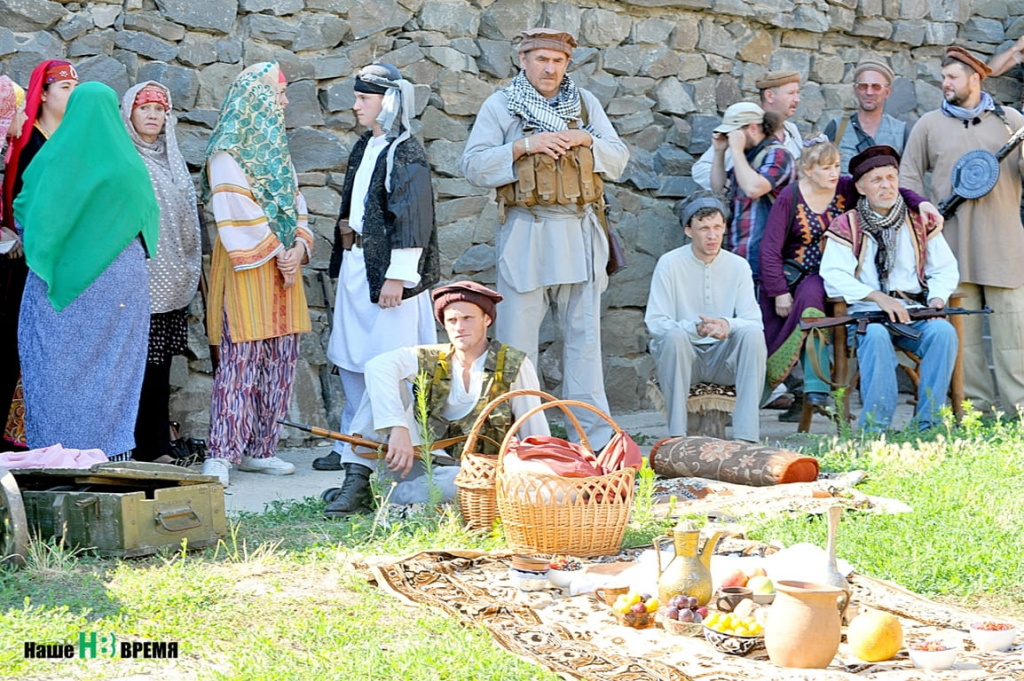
point(543, 181)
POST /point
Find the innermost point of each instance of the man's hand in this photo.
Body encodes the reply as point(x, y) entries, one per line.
point(554, 144)
point(937, 303)
point(719, 142)
point(931, 214)
point(400, 454)
point(390, 294)
point(737, 141)
point(896, 310)
point(714, 327)
point(784, 304)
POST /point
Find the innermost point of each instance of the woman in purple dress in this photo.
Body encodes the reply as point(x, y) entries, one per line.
point(791, 248)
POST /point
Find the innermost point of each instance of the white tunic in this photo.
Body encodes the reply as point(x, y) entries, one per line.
point(838, 268)
point(389, 379)
point(362, 329)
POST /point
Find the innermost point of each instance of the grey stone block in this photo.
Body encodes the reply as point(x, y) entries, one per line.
point(339, 95)
point(604, 28)
point(450, 17)
point(96, 42)
point(403, 56)
point(197, 50)
point(439, 125)
point(218, 15)
point(564, 16)
point(983, 30)
point(716, 40)
point(653, 31)
point(451, 58)
point(368, 17)
point(106, 70)
point(182, 82)
point(271, 29)
point(154, 25)
point(476, 259)
point(445, 157)
point(674, 97)
point(75, 26)
point(275, 7)
point(30, 15)
point(463, 93)
point(625, 60)
point(506, 19)
point(303, 105)
point(146, 45)
point(316, 150)
point(319, 32)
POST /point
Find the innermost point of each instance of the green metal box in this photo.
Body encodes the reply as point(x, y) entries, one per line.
point(124, 509)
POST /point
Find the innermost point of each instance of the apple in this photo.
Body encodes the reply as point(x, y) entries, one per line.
point(761, 585)
point(735, 577)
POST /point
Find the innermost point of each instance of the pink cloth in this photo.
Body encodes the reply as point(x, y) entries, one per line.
point(54, 456)
point(570, 460)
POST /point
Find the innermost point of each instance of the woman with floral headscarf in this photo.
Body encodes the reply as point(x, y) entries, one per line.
point(88, 217)
point(174, 270)
point(257, 303)
point(49, 87)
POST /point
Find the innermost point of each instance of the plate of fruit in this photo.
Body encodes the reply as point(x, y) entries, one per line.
point(733, 634)
point(636, 610)
point(563, 570)
point(681, 615)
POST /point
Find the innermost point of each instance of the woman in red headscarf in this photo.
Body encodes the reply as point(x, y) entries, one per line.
point(48, 91)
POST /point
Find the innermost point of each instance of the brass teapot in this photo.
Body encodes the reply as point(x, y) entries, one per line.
point(689, 572)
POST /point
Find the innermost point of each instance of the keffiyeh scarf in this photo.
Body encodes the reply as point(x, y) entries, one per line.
point(541, 114)
point(969, 115)
point(884, 229)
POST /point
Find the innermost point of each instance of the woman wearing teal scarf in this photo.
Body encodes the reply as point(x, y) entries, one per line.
point(256, 309)
point(88, 216)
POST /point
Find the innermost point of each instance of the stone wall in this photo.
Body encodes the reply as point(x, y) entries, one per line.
point(664, 69)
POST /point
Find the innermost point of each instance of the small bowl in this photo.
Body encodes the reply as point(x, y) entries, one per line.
point(732, 644)
point(729, 597)
point(989, 641)
point(933, 659)
point(528, 580)
point(636, 620)
point(563, 578)
point(763, 599)
point(529, 563)
point(678, 628)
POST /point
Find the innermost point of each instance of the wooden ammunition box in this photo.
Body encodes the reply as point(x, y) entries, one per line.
point(124, 509)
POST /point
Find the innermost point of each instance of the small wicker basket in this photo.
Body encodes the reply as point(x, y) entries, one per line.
point(474, 485)
point(582, 517)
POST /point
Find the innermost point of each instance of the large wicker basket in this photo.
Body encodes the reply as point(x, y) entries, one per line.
point(474, 485)
point(551, 514)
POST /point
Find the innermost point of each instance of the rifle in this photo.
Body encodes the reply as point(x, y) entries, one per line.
point(971, 171)
point(862, 319)
point(374, 447)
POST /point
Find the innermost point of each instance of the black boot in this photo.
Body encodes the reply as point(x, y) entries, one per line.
point(354, 495)
point(331, 462)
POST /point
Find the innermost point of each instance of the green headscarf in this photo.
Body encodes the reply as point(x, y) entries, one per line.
point(86, 196)
point(251, 129)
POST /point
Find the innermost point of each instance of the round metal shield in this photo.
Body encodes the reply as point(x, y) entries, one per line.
point(975, 174)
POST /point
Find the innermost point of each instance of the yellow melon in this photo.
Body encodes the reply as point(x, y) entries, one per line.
point(874, 636)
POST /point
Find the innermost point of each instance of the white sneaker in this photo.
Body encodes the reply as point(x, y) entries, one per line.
point(218, 467)
point(270, 466)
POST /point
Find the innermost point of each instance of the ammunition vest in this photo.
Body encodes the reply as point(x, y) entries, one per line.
point(543, 181)
point(501, 368)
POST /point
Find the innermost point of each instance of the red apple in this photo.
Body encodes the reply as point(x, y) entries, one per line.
point(736, 577)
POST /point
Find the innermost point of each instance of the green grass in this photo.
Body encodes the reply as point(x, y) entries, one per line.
point(279, 599)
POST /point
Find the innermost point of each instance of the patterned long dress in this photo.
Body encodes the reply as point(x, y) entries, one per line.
point(799, 240)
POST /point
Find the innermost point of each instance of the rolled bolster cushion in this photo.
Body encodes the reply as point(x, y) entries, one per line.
point(740, 463)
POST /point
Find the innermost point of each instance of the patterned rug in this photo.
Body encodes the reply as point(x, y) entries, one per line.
point(578, 637)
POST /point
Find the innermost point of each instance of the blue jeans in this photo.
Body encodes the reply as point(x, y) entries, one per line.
point(876, 357)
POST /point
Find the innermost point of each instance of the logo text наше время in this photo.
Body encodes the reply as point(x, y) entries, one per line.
point(92, 645)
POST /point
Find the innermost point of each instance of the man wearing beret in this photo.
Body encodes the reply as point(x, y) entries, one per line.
point(545, 144)
point(779, 93)
point(385, 254)
point(985, 234)
point(869, 126)
point(882, 255)
point(761, 169)
point(464, 375)
point(704, 320)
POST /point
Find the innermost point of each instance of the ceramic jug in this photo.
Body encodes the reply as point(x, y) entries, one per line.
point(689, 572)
point(803, 625)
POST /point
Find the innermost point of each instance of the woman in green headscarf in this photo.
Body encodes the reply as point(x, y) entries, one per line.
point(257, 303)
point(88, 217)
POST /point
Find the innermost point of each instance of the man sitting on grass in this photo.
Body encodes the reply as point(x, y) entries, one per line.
point(462, 377)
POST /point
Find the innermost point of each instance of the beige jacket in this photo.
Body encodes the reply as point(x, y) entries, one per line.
point(985, 235)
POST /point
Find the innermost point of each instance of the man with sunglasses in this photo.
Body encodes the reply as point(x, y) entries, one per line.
point(869, 125)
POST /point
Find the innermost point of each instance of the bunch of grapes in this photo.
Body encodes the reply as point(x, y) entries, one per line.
point(684, 609)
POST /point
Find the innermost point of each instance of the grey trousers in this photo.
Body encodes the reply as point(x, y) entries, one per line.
point(738, 360)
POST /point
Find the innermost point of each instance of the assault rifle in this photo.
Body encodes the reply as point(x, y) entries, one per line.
point(372, 447)
point(862, 319)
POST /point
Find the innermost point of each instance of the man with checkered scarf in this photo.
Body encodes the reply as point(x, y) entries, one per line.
point(544, 144)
